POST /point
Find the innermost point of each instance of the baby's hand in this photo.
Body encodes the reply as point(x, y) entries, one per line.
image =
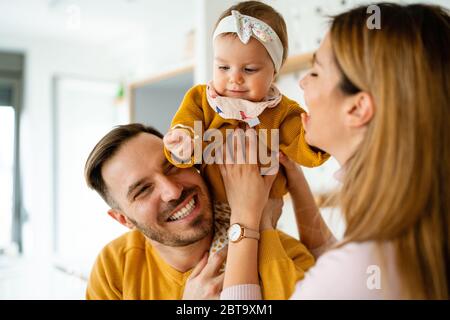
point(179, 142)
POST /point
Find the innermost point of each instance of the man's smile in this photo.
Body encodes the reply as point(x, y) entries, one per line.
point(187, 209)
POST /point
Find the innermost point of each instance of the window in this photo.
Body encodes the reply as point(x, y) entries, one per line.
point(11, 67)
point(7, 128)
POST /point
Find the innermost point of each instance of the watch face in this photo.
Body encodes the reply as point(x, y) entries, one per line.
point(235, 232)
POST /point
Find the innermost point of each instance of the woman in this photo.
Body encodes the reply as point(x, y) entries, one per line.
point(379, 103)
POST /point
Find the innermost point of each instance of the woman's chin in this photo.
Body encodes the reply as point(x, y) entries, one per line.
point(307, 138)
point(305, 117)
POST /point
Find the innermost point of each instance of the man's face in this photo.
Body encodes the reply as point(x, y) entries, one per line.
point(169, 205)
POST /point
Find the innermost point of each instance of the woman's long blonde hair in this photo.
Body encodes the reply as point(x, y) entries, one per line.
point(397, 184)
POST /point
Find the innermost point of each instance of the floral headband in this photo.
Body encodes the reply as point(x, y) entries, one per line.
point(246, 27)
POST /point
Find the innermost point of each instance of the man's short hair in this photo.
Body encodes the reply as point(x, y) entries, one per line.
point(105, 149)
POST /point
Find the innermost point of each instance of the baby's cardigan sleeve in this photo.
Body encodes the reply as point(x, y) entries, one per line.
point(293, 143)
point(190, 110)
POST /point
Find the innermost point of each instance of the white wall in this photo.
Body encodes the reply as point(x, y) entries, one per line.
point(133, 57)
point(44, 59)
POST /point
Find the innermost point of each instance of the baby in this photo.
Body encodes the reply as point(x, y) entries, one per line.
point(250, 46)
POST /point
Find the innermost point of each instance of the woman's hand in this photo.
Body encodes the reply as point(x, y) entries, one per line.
point(247, 191)
point(206, 281)
point(294, 173)
point(313, 231)
point(271, 214)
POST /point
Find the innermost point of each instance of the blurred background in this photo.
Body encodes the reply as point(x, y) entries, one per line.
point(70, 70)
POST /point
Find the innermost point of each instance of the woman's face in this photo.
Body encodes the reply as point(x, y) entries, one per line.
point(325, 123)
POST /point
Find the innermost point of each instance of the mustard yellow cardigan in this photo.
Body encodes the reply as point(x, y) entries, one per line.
point(285, 117)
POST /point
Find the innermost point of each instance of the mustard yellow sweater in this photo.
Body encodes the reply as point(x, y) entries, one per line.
point(130, 268)
point(285, 117)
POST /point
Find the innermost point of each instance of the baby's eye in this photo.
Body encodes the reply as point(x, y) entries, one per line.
point(224, 67)
point(250, 70)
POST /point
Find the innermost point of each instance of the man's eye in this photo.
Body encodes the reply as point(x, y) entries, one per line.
point(142, 190)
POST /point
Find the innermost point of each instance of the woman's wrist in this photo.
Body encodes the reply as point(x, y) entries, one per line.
point(246, 219)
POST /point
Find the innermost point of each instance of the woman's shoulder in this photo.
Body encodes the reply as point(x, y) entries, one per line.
point(355, 257)
point(356, 270)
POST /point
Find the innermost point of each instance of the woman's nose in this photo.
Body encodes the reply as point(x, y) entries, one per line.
point(170, 189)
point(302, 82)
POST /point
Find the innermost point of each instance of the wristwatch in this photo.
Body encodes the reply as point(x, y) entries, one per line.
point(237, 232)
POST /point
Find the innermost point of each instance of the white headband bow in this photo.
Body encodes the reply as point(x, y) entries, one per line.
point(247, 26)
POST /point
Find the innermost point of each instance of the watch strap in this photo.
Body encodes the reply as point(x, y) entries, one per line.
point(249, 233)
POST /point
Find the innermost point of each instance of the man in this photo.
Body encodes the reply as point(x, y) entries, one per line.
point(169, 212)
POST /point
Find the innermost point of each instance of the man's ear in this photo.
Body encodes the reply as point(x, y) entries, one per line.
point(121, 218)
point(360, 110)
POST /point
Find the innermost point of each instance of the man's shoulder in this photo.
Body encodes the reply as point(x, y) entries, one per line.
point(109, 278)
point(131, 240)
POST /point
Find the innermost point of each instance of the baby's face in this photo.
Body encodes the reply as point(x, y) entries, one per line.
point(243, 71)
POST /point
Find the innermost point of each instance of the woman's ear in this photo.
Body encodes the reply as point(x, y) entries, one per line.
point(121, 218)
point(360, 110)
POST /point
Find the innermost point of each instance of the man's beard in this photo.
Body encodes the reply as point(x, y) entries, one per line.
point(201, 226)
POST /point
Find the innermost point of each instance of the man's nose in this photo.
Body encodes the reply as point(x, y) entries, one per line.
point(169, 188)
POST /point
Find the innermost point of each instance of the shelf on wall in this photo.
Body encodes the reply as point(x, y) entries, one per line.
point(162, 76)
point(293, 63)
point(152, 90)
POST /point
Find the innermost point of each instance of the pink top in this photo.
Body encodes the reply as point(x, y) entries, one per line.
point(353, 271)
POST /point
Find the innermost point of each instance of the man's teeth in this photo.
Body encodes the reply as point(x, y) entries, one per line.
point(183, 212)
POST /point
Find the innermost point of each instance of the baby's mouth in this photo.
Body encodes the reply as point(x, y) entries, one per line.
point(237, 91)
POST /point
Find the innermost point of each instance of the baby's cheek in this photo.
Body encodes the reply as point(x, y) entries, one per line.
point(220, 89)
point(218, 82)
